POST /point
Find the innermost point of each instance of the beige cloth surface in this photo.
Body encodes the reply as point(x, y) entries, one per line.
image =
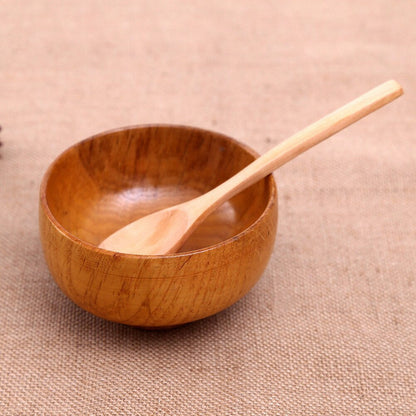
point(330, 329)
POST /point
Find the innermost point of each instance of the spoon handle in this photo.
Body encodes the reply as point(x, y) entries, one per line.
point(300, 142)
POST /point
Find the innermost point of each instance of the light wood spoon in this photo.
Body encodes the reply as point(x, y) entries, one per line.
point(165, 231)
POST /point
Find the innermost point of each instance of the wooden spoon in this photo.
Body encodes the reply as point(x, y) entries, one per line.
point(165, 231)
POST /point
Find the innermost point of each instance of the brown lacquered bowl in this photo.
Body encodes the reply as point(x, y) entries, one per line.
point(111, 179)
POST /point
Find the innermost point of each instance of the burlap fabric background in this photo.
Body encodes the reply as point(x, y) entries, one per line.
point(330, 329)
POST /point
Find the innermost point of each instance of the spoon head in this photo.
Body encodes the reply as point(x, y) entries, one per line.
point(160, 233)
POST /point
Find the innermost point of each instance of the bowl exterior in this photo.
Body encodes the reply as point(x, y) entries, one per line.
point(158, 291)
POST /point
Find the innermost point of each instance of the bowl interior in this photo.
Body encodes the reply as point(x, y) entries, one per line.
point(109, 180)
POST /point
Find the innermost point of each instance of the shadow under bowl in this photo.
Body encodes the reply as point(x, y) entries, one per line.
point(102, 183)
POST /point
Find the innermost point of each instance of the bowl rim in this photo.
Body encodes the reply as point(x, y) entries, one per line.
point(78, 241)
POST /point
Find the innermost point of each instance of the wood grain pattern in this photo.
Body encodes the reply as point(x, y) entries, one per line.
point(111, 179)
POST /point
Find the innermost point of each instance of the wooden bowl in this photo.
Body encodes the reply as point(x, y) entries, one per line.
point(108, 180)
